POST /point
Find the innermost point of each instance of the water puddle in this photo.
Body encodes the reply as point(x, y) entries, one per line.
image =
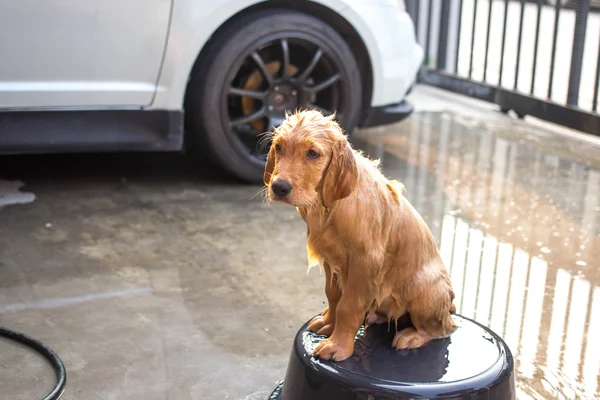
point(517, 221)
point(10, 194)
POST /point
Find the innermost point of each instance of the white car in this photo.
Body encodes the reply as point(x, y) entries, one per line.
point(142, 75)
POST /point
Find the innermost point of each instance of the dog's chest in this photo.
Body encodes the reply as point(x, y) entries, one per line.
point(325, 246)
point(323, 243)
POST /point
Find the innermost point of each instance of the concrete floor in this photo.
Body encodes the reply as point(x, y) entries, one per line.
point(154, 281)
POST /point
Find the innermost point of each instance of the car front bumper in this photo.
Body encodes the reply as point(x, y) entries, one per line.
point(388, 114)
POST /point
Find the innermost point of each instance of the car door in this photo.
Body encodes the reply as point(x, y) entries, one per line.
point(92, 53)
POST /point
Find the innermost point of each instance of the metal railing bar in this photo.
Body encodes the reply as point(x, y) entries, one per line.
point(519, 41)
point(535, 46)
point(473, 37)
point(458, 36)
point(487, 39)
point(444, 24)
point(507, 99)
point(503, 42)
point(583, 9)
point(596, 83)
point(429, 17)
point(416, 18)
point(557, 9)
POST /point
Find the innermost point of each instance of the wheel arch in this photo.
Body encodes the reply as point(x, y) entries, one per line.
point(317, 10)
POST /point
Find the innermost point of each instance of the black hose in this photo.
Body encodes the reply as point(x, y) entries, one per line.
point(48, 354)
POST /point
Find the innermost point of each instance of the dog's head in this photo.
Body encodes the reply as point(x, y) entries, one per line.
point(310, 161)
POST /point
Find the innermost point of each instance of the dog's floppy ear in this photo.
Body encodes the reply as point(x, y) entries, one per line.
point(270, 165)
point(341, 174)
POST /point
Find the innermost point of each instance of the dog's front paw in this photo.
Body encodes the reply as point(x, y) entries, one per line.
point(322, 324)
point(329, 349)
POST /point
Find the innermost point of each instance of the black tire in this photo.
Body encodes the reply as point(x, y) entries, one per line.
point(208, 109)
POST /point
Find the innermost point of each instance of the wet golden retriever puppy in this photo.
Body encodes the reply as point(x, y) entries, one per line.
point(380, 258)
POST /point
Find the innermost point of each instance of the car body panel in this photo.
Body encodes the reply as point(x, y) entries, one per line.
point(384, 26)
point(95, 53)
point(389, 36)
point(191, 28)
point(112, 54)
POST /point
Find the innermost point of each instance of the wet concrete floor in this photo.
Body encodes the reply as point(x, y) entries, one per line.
point(153, 281)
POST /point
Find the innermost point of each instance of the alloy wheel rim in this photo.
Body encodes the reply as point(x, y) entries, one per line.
point(281, 74)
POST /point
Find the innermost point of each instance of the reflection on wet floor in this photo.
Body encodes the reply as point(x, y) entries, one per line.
point(516, 217)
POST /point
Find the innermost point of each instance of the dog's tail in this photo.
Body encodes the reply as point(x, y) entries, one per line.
point(398, 189)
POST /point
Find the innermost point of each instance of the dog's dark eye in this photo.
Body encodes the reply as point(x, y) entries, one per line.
point(277, 148)
point(312, 154)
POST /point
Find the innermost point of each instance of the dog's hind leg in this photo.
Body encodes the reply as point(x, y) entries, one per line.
point(412, 338)
point(430, 309)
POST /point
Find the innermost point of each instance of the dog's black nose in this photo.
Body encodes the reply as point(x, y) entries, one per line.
point(281, 188)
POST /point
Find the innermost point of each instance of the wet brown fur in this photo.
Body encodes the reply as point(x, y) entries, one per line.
point(379, 256)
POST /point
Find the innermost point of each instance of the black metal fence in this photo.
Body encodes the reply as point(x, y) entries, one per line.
point(535, 59)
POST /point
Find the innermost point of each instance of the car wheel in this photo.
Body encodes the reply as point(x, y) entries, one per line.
point(268, 63)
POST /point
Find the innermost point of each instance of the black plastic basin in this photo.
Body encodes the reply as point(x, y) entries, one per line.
point(473, 363)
